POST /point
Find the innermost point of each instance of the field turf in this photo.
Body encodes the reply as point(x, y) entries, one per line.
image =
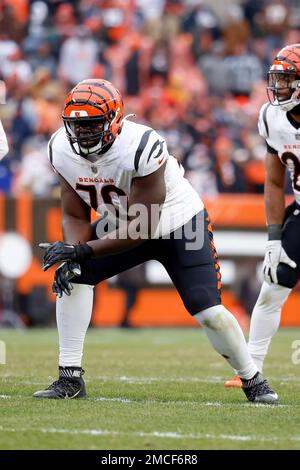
point(148, 389)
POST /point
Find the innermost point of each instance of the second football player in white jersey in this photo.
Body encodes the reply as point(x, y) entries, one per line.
point(279, 125)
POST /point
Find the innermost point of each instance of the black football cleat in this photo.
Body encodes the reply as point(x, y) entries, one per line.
point(70, 384)
point(257, 390)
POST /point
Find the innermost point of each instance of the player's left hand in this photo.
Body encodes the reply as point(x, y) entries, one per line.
point(60, 251)
point(275, 254)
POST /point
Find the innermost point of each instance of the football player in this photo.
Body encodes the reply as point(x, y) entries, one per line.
point(279, 125)
point(104, 160)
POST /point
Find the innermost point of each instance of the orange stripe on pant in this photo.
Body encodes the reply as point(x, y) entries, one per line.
point(212, 243)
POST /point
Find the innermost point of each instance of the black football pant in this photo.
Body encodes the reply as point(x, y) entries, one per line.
point(287, 276)
point(194, 272)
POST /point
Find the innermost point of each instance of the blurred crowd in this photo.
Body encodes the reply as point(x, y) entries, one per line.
point(194, 70)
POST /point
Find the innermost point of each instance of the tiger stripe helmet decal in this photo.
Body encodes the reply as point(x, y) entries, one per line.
point(284, 78)
point(92, 116)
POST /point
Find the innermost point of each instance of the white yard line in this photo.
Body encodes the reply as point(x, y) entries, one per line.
point(155, 402)
point(159, 434)
point(148, 380)
point(185, 402)
point(144, 401)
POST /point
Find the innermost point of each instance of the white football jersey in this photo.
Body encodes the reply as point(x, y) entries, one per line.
point(284, 137)
point(137, 151)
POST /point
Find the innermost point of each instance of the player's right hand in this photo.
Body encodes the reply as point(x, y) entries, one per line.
point(63, 276)
point(275, 254)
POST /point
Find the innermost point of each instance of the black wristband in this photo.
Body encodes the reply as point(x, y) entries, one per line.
point(274, 232)
point(83, 252)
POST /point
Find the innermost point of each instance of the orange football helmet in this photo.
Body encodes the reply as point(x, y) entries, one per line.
point(92, 116)
point(284, 78)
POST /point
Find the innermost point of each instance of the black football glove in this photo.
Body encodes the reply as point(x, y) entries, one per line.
point(63, 275)
point(60, 251)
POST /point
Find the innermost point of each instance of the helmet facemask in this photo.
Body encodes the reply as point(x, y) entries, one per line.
point(283, 89)
point(90, 136)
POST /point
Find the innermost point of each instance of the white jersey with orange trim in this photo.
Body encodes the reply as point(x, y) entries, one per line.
point(137, 151)
point(282, 135)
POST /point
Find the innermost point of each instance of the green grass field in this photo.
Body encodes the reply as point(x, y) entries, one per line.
point(148, 389)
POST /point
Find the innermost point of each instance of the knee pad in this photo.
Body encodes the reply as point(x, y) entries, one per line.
point(287, 276)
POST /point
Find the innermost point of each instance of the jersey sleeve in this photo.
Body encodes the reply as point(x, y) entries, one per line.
point(3, 142)
point(263, 127)
point(151, 153)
